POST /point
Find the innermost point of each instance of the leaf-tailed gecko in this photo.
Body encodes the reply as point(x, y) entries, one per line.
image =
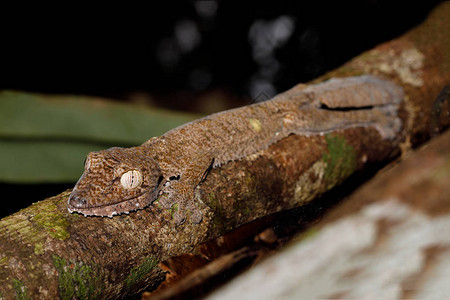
point(170, 167)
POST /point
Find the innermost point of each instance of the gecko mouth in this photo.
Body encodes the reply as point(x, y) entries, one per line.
point(79, 205)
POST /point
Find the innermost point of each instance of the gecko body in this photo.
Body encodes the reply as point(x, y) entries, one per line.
point(120, 180)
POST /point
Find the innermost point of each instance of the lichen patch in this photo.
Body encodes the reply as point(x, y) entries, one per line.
point(405, 65)
point(255, 124)
point(310, 184)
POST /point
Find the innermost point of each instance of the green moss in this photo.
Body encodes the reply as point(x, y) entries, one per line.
point(141, 271)
point(340, 160)
point(20, 289)
point(246, 211)
point(250, 183)
point(214, 203)
point(157, 204)
point(249, 190)
point(174, 209)
point(76, 280)
point(21, 225)
point(217, 209)
point(38, 248)
point(241, 207)
point(3, 260)
point(52, 220)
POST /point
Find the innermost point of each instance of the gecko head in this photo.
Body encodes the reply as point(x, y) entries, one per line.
point(115, 181)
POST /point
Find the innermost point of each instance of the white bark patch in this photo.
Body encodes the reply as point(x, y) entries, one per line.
point(310, 184)
point(407, 66)
point(370, 255)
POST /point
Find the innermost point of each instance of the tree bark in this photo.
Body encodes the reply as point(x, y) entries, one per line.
point(47, 252)
point(388, 240)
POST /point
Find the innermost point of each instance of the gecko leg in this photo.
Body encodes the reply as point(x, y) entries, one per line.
point(181, 190)
point(181, 194)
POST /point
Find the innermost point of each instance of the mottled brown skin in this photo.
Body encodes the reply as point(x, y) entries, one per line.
point(173, 165)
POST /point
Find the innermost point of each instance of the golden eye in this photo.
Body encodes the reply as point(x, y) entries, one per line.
point(131, 179)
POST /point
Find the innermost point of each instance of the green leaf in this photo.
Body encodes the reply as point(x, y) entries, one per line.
point(46, 138)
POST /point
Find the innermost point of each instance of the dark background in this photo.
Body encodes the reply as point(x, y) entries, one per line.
point(169, 54)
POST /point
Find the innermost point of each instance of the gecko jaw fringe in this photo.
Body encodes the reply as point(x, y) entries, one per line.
point(112, 210)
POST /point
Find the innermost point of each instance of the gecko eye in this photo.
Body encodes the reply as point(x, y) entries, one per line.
point(131, 179)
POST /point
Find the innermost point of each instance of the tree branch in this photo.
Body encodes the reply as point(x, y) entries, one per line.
point(388, 240)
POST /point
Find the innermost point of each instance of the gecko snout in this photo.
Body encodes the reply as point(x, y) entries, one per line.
point(77, 201)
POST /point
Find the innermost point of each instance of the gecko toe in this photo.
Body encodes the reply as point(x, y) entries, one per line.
point(196, 217)
point(166, 202)
point(179, 217)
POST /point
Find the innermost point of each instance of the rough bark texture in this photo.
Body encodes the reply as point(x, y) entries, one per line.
point(389, 240)
point(47, 252)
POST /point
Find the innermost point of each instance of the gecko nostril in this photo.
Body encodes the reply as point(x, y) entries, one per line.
point(77, 201)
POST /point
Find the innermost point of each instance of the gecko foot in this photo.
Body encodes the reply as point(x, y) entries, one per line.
point(183, 206)
point(196, 216)
point(166, 201)
point(179, 217)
